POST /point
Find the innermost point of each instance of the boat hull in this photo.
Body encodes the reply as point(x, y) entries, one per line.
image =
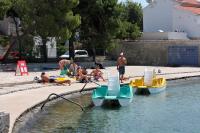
point(122, 102)
point(124, 97)
point(97, 101)
point(149, 90)
point(157, 90)
point(125, 102)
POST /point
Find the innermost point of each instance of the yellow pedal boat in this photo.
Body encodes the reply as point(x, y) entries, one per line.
point(158, 85)
point(149, 83)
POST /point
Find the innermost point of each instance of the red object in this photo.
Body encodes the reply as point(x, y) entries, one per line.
point(21, 68)
point(191, 9)
point(14, 54)
point(189, 5)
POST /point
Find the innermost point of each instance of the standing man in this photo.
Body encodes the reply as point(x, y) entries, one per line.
point(121, 62)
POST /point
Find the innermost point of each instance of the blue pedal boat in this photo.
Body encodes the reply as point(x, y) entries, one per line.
point(112, 91)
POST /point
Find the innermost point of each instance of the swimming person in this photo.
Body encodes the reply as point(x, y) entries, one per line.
point(121, 62)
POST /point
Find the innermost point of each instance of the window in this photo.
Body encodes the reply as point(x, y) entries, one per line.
point(81, 53)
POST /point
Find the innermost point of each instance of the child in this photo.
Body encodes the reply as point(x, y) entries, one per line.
point(97, 74)
point(82, 75)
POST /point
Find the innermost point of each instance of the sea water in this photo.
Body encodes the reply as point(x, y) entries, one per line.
point(177, 110)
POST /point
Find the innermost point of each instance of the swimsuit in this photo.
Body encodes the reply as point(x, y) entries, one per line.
point(121, 70)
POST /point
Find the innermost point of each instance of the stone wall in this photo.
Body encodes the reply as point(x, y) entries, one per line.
point(149, 52)
point(164, 35)
point(4, 122)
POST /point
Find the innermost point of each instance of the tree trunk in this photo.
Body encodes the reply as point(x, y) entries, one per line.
point(44, 49)
point(71, 48)
point(94, 53)
point(12, 43)
point(18, 36)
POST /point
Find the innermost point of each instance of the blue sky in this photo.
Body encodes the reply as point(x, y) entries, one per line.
point(143, 2)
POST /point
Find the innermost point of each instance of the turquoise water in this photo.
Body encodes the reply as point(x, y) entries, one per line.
point(177, 110)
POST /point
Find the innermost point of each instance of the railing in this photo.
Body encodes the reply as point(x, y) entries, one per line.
point(87, 83)
point(58, 96)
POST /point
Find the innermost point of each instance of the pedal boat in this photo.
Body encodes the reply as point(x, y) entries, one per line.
point(101, 93)
point(113, 91)
point(158, 85)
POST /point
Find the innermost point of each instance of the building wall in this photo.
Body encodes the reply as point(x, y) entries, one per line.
point(158, 16)
point(163, 15)
point(151, 52)
point(4, 27)
point(7, 26)
point(163, 35)
point(51, 48)
point(187, 22)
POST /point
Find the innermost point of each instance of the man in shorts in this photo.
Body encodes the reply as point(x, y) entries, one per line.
point(121, 62)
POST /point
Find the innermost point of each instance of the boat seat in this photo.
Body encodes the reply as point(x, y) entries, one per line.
point(101, 92)
point(125, 92)
point(139, 82)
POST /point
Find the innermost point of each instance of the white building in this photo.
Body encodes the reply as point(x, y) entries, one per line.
point(7, 26)
point(50, 46)
point(176, 18)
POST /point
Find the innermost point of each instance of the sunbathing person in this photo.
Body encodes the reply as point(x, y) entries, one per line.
point(97, 74)
point(45, 79)
point(82, 75)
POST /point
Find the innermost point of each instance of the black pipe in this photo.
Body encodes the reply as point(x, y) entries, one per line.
point(62, 98)
point(87, 83)
point(95, 83)
point(83, 87)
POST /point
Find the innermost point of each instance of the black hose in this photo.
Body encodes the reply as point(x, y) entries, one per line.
point(62, 98)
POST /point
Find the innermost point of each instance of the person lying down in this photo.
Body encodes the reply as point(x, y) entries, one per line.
point(45, 79)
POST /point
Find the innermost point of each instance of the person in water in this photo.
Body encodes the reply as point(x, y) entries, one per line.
point(46, 79)
point(121, 62)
